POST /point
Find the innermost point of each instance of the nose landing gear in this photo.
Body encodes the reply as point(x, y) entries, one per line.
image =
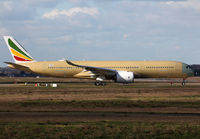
point(183, 83)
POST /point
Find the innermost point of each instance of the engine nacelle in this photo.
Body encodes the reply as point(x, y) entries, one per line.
point(124, 77)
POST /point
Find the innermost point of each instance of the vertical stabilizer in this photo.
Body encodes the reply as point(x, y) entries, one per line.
point(19, 54)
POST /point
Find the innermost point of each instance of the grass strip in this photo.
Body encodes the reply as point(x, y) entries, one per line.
point(99, 129)
point(104, 104)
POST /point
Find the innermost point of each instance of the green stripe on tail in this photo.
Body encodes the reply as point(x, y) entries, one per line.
point(12, 44)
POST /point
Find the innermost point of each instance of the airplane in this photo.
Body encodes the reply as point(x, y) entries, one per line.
point(117, 71)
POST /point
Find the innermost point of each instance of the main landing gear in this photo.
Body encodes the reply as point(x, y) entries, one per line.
point(100, 83)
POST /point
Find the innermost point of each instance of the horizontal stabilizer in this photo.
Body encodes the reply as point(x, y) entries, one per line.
point(17, 66)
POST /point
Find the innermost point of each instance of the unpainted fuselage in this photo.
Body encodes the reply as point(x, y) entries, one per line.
point(141, 69)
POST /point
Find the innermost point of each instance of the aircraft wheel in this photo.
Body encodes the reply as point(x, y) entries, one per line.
point(97, 83)
point(100, 83)
point(103, 84)
point(183, 83)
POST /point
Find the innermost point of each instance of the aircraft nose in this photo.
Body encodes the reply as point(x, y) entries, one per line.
point(187, 70)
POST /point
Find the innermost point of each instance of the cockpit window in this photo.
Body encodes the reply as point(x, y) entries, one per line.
point(188, 67)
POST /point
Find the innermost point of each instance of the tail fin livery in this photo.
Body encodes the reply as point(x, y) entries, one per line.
point(19, 54)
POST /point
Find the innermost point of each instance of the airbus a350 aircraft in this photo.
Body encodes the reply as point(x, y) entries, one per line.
point(118, 71)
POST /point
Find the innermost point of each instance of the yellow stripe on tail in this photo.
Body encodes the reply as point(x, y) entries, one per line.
point(19, 55)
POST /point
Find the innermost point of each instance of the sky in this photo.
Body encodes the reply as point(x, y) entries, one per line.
point(103, 29)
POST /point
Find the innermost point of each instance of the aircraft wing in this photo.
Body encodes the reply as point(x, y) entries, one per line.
point(95, 70)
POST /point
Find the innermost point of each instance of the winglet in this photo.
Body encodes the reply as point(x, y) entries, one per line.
point(72, 64)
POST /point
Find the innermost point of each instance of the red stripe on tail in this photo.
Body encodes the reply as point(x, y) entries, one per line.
point(20, 59)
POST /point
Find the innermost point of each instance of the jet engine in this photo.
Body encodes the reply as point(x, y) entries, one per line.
point(124, 77)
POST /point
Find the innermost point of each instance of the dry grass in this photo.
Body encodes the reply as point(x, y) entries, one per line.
point(138, 97)
point(78, 110)
point(10, 94)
